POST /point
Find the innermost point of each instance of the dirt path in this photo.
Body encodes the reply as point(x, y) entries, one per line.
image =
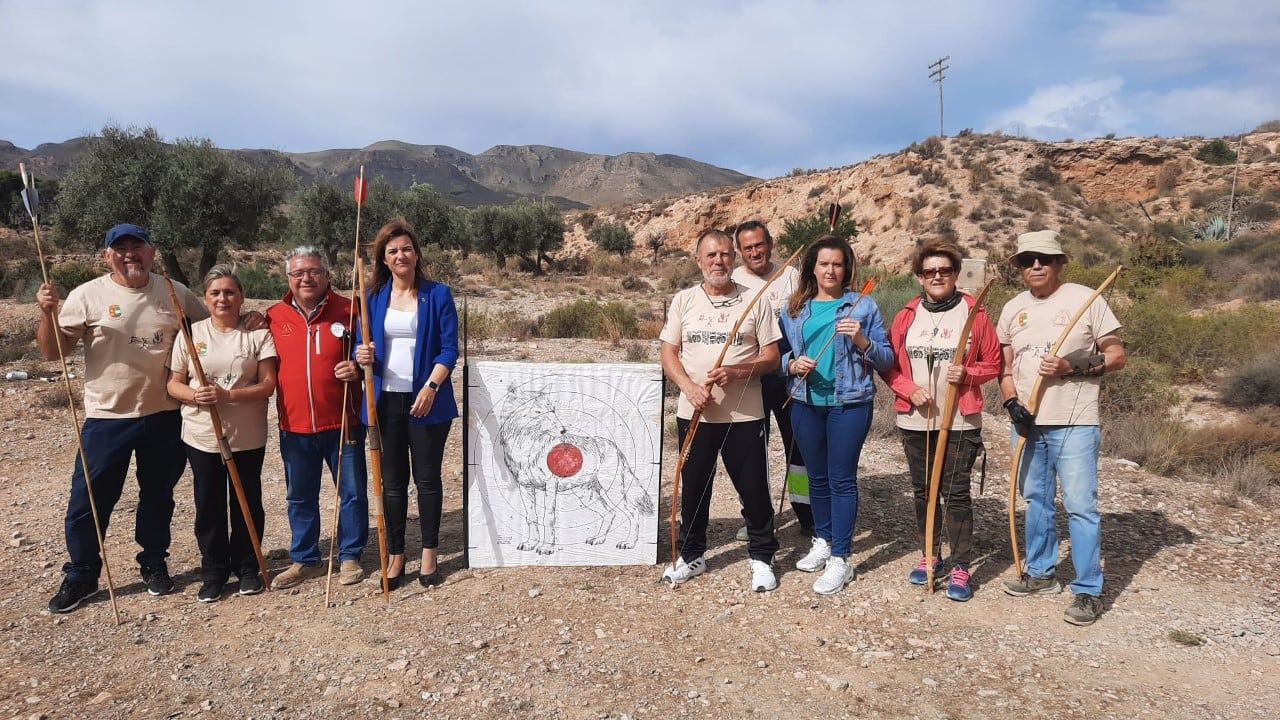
point(613, 642)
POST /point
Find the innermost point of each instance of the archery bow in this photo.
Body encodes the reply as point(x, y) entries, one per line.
point(1033, 403)
point(370, 404)
point(31, 201)
point(224, 448)
point(949, 403)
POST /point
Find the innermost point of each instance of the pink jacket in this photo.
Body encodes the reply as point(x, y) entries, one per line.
point(981, 364)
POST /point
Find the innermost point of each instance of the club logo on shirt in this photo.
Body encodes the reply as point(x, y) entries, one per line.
point(1022, 319)
point(115, 312)
point(202, 349)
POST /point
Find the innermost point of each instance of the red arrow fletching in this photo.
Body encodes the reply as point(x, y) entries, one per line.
point(868, 287)
point(361, 188)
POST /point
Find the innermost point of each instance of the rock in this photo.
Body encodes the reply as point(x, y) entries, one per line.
point(100, 698)
point(535, 592)
point(1233, 540)
point(398, 665)
point(837, 684)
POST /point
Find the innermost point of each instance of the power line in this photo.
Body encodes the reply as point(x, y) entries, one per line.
point(937, 69)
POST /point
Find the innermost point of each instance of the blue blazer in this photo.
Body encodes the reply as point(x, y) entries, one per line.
point(437, 342)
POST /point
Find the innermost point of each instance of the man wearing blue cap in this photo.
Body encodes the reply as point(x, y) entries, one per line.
point(128, 327)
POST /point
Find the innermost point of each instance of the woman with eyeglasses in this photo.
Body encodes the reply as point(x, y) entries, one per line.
point(413, 348)
point(924, 337)
point(836, 339)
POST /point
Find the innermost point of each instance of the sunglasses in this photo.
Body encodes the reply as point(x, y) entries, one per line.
point(942, 272)
point(1026, 260)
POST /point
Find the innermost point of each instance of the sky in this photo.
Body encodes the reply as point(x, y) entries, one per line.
point(759, 87)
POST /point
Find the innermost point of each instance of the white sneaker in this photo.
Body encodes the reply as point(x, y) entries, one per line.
point(819, 551)
point(683, 571)
point(762, 579)
point(743, 535)
point(838, 574)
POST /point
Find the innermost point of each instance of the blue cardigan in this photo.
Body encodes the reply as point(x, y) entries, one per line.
point(437, 342)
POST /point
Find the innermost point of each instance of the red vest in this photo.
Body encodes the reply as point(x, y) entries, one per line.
point(308, 396)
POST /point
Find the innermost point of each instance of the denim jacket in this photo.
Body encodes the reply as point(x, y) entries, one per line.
point(854, 381)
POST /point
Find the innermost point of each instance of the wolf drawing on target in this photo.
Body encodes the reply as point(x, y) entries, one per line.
point(547, 461)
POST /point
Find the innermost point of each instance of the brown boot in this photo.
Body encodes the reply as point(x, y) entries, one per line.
point(350, 572)
point(296, 575)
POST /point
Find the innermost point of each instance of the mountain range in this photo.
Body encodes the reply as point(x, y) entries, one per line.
point(500, 175)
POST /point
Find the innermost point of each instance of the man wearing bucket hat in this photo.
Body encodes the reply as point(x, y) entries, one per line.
point(128, 326)
point(1062, 438)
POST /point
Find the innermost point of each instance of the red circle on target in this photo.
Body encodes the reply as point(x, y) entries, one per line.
point(564, 460)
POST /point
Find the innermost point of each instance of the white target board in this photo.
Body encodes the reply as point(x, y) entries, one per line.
point(563, 463)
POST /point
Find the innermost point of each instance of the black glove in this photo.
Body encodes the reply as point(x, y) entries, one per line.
point(1021, 417)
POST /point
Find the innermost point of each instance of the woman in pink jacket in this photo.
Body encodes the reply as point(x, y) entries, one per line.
point(924, 335)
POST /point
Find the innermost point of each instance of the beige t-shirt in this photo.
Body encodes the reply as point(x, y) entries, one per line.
point(1031, 325)
point(229, 359)
point(936, 334)
point(778, 294)
point(127, 335)
point(700, 329)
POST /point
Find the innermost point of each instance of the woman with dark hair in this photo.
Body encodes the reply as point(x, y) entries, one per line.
point(836, 339)
point(240, 366)
point(413, 348)
point(923, 336)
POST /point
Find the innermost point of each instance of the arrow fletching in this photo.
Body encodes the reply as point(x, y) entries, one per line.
point(361, 188)
point(31, 201)
point(867, 287)
point(833, 215)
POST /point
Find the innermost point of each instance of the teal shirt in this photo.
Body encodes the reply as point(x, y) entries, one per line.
point(817, 331)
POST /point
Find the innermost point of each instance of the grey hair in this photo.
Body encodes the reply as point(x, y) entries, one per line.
point(310, 251)
point(217, 272)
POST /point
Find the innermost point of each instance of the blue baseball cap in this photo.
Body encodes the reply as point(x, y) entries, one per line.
point(126, 230)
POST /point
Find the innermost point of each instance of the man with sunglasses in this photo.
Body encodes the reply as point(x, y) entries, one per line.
point(727, 396)
point(1062, 438)
point(755, 244)
point(311, 330)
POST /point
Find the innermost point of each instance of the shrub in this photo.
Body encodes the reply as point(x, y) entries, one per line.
point(1268, 126)
point(1259, 212)
point(634, 283)
point(440, 265)
point(1197, 345)
point(1257, 383)
point(930, 149)
point(1043, 173)
point(1153, 442)
point(587, 220)
point(1167, 177)
point(950, 211)
point(589, 319)
point(933, 175)
point(979, 174)
point(1244, 477)
point(260, 282)
point(69, 275)
point(613, 237)
point(21, 280)
point(1216, 152)
point(817, 191)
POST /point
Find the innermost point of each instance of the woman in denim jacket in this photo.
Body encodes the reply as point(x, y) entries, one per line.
point(831, 393)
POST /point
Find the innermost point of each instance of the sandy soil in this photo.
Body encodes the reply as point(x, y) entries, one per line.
point(616, 643)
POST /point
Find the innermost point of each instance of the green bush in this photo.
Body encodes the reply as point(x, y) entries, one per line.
point(1197, 345)
point(261, 281)
point(1216, 152)
point(1257, 383)
point(589, 319)
point(892, 292)
point(73, 274)
point(1043, 173)
point(21, 280)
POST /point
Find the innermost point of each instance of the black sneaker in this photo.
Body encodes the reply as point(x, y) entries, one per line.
point(1084, 610)
point(250, 583)
point(210, 591)
point(157, 580)
point(71, 594)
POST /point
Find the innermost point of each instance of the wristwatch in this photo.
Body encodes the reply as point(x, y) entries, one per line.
point(433, 385)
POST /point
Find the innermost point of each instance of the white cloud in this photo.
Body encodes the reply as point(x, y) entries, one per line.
point(1087, 108)
point(1179, 36)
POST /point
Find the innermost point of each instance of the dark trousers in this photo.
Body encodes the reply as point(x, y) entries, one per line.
point(223, 552)
point(742, 447)
point(774, 391)
point(406, 447)
point(954, 488)
point(155, 443)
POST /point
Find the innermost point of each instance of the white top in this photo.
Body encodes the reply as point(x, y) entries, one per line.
point(935, 334)
point(778, 294)
point(400, 332)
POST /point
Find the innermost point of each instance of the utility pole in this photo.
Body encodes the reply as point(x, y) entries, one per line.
point(937, 69)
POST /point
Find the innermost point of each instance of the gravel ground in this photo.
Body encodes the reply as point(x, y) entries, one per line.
point(614, 642)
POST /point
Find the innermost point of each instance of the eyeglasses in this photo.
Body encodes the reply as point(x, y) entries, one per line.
point(722, 304)
point(942, 272)
point(1026, 260)
point(309, 272)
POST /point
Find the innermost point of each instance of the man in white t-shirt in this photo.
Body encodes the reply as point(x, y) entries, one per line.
point(755, 244)
point(128, 325)
point(1062, 438)
point(717, 361)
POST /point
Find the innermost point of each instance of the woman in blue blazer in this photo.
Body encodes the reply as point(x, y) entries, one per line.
point(414, 327)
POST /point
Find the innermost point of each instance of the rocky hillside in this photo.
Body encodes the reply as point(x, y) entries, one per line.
point(985, 189)
point(499, 175)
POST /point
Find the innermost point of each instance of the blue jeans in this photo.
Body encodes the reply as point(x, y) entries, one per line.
point(1067, 454)
point(155, 442)
point(831, 438)
point(303, 455)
